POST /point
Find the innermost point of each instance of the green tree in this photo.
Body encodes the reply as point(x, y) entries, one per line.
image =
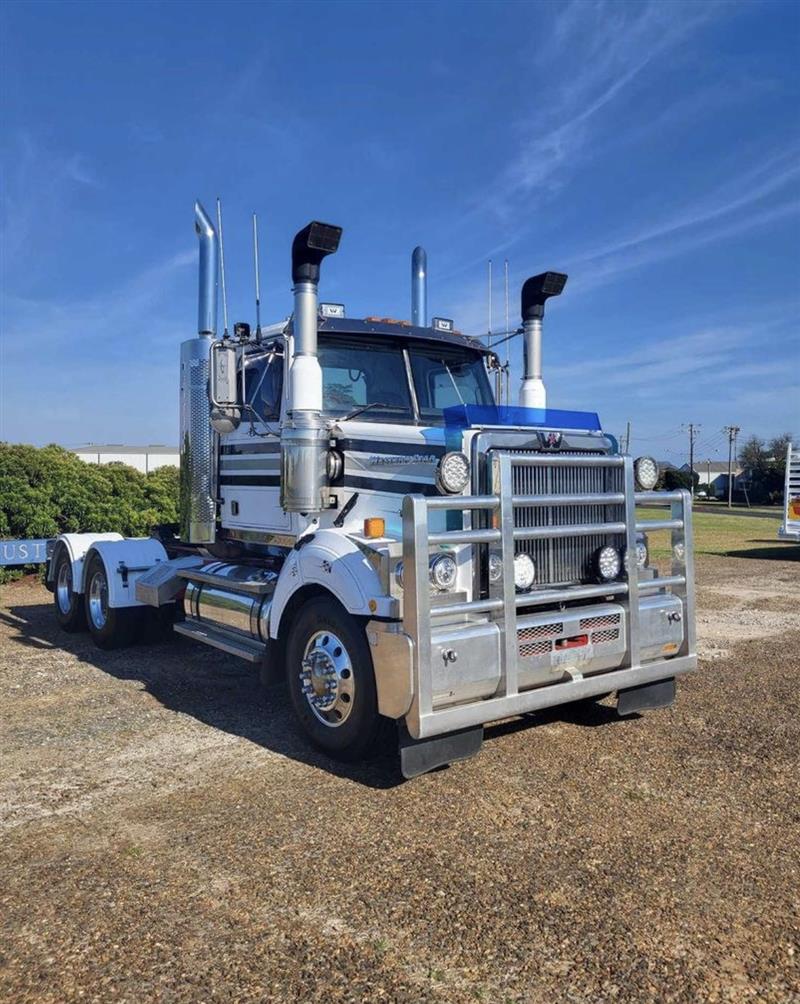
point(673, 479)
point(764, 467)
point(48, 490)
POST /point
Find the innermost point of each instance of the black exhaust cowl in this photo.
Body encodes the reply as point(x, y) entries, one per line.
point(310, 246)
point(539, 288)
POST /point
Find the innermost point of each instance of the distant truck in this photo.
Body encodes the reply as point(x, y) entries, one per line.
point(790, 527)
point(359, 517)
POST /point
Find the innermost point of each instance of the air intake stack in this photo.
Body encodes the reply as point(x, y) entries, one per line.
point(304, 437)
point(535, 291)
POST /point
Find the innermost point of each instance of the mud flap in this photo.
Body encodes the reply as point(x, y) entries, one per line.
point(646, 697)
point(418, 756)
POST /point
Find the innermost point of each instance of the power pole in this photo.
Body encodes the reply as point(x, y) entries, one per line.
point(693, 431)
point(627, 445)
point(732, 431)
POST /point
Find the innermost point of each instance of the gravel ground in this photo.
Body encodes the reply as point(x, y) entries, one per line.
point(165, 836)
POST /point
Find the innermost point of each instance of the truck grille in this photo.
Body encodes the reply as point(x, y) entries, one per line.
point(568, 560)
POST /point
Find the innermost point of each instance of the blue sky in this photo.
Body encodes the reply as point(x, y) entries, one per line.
point(650, 150)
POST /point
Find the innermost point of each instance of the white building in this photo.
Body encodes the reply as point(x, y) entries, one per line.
point(143, 458)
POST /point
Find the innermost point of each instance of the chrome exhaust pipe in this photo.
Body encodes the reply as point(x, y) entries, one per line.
point(419, 288)
point(198, 506)
point(535, 291)
point(209, 271)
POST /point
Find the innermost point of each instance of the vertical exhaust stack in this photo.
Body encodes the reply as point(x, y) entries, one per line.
point(304, 436)
point(198, 508)
point(209, 271)
point(419, 288)
point(535, 291)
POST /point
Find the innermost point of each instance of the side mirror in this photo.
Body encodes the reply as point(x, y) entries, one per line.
point(223, 391)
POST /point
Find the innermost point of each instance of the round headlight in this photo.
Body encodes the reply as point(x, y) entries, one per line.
point(645, 470)
point(398, 574)
point(495, 568)
point(452, 474)
point(442, 571)
point(607, 563)
point(524, 571)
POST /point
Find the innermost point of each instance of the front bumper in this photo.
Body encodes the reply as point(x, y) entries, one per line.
point(463, 664)
point(466, 662)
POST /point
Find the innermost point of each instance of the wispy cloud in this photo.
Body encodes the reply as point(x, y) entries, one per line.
point(605, 267)
point(596, 51)
point(770, 176)
point(38, 182)
point(127, 338)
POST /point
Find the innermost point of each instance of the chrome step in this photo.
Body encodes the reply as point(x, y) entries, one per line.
point(251, 651)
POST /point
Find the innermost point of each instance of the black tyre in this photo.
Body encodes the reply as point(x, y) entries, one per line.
point(70, 612)
point(331, 681)
point(110, 627)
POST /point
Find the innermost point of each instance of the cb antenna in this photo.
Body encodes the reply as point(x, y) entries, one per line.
point(222, 270)
point(258, 288)
point(500, 374)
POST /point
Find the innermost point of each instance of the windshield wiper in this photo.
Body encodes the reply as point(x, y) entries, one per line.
point(365, 407)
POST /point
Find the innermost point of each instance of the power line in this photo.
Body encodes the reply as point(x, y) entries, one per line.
point(733, 431)
point(693, 431)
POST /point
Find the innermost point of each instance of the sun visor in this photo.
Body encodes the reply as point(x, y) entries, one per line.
point(466, 416)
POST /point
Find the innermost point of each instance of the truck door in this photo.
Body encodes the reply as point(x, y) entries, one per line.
point(250, 457)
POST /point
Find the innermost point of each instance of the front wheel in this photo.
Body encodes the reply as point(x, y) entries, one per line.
point(332, 682)
point(110, 627)
point(70, 612)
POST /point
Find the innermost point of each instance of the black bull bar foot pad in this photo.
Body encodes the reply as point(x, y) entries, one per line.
point(646, 697)
point(418, 756)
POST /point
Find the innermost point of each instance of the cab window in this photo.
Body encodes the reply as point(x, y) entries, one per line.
point(443, 378)
point(263, 387)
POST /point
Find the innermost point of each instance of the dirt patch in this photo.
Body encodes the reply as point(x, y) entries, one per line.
point(167, 836)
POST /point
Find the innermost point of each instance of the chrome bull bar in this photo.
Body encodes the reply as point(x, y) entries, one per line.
point(503, 602)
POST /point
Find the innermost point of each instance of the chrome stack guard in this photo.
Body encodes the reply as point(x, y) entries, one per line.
point(503, 602)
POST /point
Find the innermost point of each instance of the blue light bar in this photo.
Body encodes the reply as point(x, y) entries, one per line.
point(466, 416)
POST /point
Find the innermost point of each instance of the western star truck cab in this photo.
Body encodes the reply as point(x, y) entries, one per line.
point(360, 518)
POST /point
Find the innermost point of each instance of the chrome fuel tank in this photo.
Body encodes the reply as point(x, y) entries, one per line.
point(233, 598)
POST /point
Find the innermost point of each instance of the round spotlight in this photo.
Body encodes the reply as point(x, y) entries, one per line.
point(524, 571)
point(442, 571)
point(495, 568)
point(452, 474)
point(645, 470)
point(607, 563)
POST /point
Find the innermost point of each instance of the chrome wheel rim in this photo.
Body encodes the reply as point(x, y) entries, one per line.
point(98, 600)
point(326, 678)
point(64, 587)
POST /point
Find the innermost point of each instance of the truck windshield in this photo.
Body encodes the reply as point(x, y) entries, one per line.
point(357, 374)
point(445, 377)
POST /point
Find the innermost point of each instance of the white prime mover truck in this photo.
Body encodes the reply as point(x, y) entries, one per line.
point(359, 517)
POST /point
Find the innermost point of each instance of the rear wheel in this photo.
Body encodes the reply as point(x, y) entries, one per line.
point(110, 627)
point(332, 682)
point(70, 612)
